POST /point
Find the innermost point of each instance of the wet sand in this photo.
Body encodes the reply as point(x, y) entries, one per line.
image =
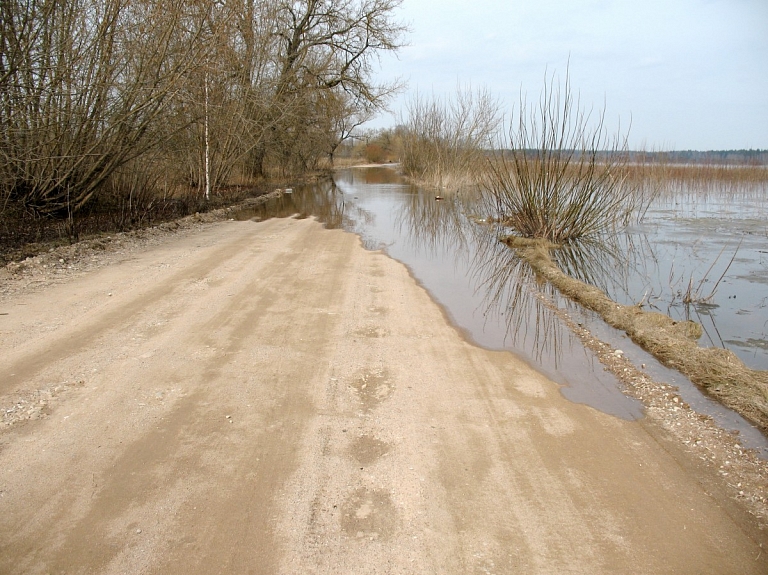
point(272, 398)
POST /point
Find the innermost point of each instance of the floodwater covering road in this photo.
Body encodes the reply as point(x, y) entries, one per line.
point(273, 398)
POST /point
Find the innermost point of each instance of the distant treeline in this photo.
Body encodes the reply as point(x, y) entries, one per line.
point(750, 157)
point(721, 157)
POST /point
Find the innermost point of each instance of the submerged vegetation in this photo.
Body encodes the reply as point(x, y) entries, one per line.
point(716, 370)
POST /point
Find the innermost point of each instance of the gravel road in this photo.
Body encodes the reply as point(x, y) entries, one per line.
point(272, 398)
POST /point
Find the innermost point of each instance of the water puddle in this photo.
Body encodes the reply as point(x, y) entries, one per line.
point(486, 292)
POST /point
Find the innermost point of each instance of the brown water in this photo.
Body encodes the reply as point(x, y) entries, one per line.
point(485, 291)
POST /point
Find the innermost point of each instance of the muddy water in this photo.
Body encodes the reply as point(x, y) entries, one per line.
point(485, 291)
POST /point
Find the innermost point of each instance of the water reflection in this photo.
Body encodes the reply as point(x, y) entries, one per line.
point(689, 237)
point(700, 254)
point(321, 200)
point(496, 300)
point(429, 225)
point(658, 263)
point(597, 262)
point(487, 293)
point(506, 291)
point(374, 175)
point(511, 294)
point(699, 221)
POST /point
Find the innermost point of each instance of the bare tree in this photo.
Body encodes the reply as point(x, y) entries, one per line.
point(84, 84)
point(345, 115)
point(206, 90)
point(322, 46)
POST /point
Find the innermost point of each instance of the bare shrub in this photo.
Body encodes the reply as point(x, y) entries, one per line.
point(84, 86)
point(99, 96)
point(134, 194)
point(444, 140)
point(558, 175)
point(374, 153)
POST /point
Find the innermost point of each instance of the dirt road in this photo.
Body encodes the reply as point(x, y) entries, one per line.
point(272, 398)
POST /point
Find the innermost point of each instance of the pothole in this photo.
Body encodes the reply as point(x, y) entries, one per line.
point(373, 388)
point(369, 513)
point(366, 450)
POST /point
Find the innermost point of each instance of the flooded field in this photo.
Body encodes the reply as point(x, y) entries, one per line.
point(497, 303)
point(711, 245)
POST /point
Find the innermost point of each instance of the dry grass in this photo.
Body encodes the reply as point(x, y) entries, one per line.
point(703, 174)
point(717, 371)
point(674, 181)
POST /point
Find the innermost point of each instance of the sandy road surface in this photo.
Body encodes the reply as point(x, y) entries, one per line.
point(271, 398)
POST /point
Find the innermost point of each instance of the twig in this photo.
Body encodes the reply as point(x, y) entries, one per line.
point(733, 257)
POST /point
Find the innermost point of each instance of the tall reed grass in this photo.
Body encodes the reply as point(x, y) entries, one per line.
point(662, 179)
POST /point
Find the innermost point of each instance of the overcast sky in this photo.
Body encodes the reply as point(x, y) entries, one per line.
point(690, 74)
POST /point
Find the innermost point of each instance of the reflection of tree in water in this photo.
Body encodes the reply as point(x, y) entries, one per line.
point(609, 263)
point(513, 289)
point(434, 226)
point(509, 291)
point(600, 262)
point(322, 200)
point(370, 176)
point(379, 176)
point(512, 294)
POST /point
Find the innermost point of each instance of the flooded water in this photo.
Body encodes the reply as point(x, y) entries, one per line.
point(489, 295)
point(714, 242)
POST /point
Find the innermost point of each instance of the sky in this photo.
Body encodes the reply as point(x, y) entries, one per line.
point(686, 74)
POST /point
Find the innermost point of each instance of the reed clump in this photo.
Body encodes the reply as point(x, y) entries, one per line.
point(558, 176)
